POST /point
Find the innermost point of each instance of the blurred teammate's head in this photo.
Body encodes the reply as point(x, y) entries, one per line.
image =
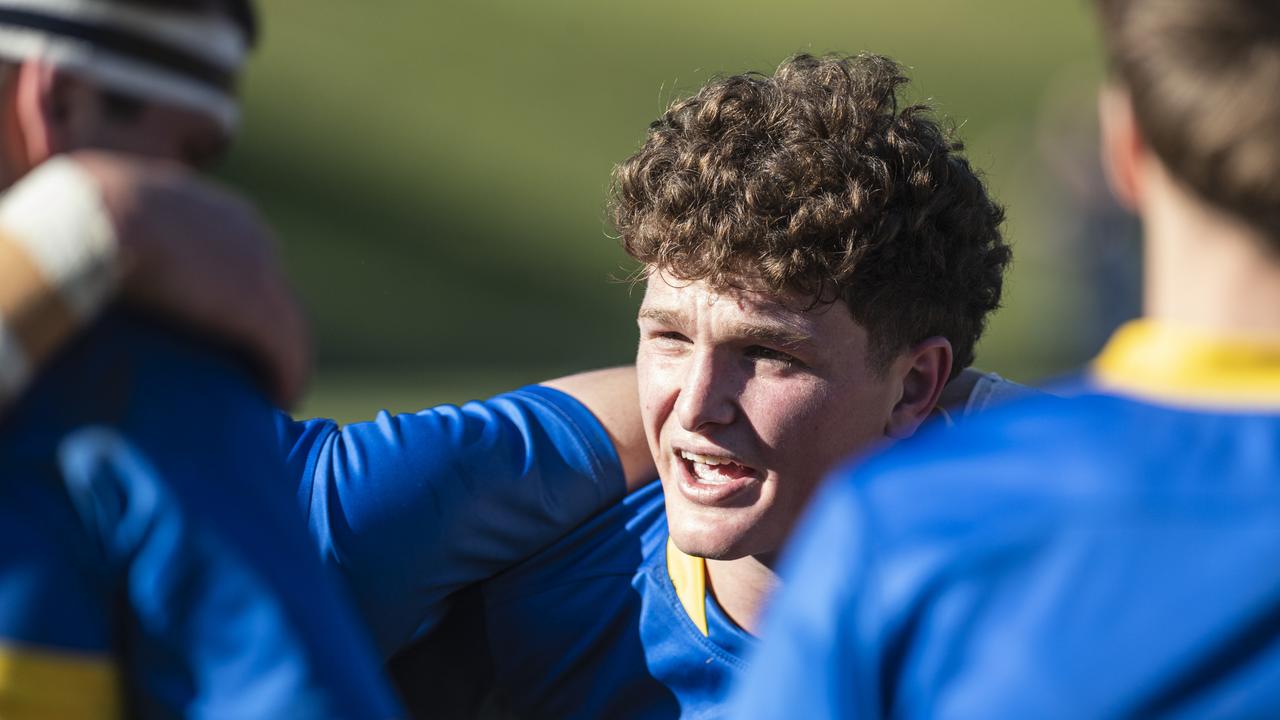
point(819, 261)
point(151, 77)
point(1197, 80)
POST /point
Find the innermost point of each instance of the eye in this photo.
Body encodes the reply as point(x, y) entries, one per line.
point(668, 337)
point(760, 352)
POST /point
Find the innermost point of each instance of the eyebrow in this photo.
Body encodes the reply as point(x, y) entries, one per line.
point(662, 317)
point(773, 333)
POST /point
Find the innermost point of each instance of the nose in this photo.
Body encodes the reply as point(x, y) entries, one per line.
point(706, 393)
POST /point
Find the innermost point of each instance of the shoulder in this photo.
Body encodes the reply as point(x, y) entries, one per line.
point(1029, 429)
point(1014, 468)
point(133, 396)
point(1015, 531)
point(618, 545)
point(534, 429)
point(1045, 471)
point(131, 371)
point(925, 522)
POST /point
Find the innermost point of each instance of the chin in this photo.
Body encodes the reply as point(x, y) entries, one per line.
point(706, 539)
point(709, 550)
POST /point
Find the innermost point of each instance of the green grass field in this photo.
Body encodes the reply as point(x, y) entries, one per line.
point(438, 170)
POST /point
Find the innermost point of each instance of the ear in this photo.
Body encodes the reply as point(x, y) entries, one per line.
point(1122, 145)
point(924, 370)
point(41, 109)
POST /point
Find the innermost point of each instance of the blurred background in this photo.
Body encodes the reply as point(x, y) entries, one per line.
point(438, 171)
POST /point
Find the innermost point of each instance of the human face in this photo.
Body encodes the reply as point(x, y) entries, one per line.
point(748, 400)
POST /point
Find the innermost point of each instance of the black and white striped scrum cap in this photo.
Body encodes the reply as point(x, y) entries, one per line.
point(184, 52)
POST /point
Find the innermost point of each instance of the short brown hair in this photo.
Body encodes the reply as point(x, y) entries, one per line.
point(1202, 77)
point(814, 180)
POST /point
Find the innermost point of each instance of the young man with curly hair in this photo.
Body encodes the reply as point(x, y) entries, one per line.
point(818, 262)
point(1117, 554)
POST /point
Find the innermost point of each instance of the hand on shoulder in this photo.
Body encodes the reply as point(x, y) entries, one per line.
point(203, 255)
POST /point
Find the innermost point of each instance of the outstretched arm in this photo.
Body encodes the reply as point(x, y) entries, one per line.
point(411, 508)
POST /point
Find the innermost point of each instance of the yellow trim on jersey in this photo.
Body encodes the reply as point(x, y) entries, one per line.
point(689, 576)
point(1188, 366)
point(41, 683)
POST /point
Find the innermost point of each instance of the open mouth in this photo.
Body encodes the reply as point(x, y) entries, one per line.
point(714, 470)
point(712, 479)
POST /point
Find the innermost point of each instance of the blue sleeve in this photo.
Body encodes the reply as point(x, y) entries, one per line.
point(412, 507)
point(811, 661)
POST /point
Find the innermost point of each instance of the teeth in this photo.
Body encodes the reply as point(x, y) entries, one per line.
point(707, 475)
point(704, 459)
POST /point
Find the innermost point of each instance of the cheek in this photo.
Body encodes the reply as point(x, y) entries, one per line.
point(783, 412)
point(655, 378)
point(815, 425)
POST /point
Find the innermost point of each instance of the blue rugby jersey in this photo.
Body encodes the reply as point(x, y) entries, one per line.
point(611, 621)
point(411, 508)
point(1114, 555)
point(593, 627)
point(152, 562)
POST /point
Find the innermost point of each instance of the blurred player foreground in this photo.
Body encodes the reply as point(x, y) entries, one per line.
point(1116, 554)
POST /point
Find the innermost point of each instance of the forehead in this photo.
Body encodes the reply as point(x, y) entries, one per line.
point(746, 311)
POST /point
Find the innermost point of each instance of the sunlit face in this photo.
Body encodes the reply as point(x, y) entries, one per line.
point(747, 402)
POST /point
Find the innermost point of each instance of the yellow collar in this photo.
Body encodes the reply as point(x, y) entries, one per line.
point(689, 576)
point(1187, 366)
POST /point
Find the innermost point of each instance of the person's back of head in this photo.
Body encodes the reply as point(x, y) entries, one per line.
point(1200, 76)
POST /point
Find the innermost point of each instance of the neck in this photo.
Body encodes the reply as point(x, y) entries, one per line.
point(1204, 268)
point(741, 587)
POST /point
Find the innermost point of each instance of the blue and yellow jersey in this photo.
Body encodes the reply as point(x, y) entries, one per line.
point(152, 561)
point(610, 621)
point(1116, 554)
point(597, 625)
point(408, 508)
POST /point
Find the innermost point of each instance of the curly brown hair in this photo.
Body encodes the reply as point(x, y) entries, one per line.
point(813, 180)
